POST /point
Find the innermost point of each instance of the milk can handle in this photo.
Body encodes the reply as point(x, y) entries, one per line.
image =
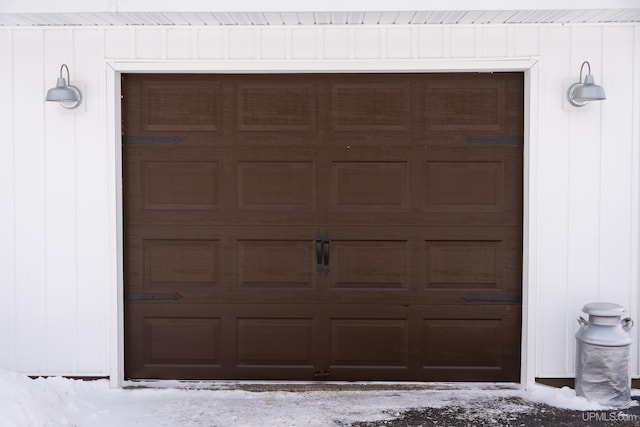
point(627, 323)
point(583, 322)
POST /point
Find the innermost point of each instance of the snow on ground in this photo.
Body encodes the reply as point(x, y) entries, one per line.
point(61, 402)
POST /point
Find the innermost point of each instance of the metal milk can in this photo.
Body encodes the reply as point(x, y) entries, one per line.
point(603, 345)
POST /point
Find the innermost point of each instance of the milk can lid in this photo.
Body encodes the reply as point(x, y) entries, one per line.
point(606, 309)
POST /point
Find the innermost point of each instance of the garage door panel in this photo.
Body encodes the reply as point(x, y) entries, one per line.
point(477, 271)
point(276, 185)
point(276, 106)
point(171, 105)
point(465, 105)
point(191, 267)
point(172, 339)
point(183, 340)
point(462, 264)
point(163, 104)
point(181, 263)
point(275, 264)
point(464, 186)
point(370, 106)
point(181, 185)
point(479, 105)
point(459, 342)
point(370, 186)
point(368, 265)
point(455, 343)
point(275, 342)
point(369, 342)
point(176, 191)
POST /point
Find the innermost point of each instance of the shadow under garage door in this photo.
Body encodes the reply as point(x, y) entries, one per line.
point(323, 226)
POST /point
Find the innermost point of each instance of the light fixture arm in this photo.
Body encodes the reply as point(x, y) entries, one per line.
point(67, 95)
point(581, 68)
point(64, 66)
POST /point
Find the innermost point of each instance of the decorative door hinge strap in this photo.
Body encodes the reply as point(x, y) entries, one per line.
point(496, 139)
point(132, 139)
point(152, 297)
point(495, 298)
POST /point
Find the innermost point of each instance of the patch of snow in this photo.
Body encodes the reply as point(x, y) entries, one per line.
point(564, 397)
point(61, 402)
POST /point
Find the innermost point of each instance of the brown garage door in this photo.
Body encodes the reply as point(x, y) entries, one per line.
point(323, 226)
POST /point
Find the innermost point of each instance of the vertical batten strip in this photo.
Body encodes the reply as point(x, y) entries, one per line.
point(510, 39)
point(635, 194)
point(195, 39)
point(288, 46)
point(226, 42)
point(446, 42)
point(164, 43)
point(44, 364)
point(132, 43)
point(257, 43)
point(352, 42)
point(601, 136)
point(8, 213)
point(75, 344)
point(320, 40)
point(536, 285)
point(108, 290)
point(415, 34)
point(568, 319)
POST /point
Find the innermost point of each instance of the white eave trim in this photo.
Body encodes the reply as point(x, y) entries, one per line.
point(119, 6)
point(275, 18)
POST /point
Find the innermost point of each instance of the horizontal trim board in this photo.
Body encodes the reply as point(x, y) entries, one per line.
point(315, 66)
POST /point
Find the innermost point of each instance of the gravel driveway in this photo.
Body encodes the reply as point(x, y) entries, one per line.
point(505, 412)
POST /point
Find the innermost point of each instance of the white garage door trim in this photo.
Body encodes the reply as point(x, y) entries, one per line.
point(530, 67)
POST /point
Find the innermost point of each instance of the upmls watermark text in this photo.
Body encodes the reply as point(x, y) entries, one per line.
point(609, 416)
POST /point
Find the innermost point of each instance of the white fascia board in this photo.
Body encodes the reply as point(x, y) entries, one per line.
point(366, 5)
point(59, 6)
point(83, 6)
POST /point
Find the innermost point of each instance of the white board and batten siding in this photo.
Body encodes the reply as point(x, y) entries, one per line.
point(58, 215)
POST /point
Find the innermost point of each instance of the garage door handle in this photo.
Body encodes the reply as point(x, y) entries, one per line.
point(326, 241)
point(319, 261)
point(322, 252)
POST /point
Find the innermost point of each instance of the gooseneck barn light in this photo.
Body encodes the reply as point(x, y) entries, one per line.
point(579, 94)
point(68, 96)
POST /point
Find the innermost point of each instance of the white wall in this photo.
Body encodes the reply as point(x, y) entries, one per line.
point(57, 260)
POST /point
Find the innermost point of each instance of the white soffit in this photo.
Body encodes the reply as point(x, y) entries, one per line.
point(313, 12)
point(323, 18)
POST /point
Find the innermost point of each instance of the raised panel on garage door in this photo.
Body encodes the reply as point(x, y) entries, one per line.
point(323, 226)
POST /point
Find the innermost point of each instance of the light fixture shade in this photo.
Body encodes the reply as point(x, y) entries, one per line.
point(588, 91)
point(62, 92)
point(579, 94)
point(68, 96)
